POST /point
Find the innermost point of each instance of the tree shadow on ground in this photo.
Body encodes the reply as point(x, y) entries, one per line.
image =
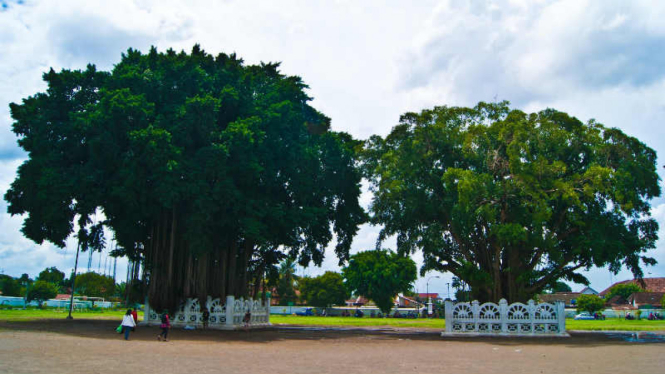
point(104, 329)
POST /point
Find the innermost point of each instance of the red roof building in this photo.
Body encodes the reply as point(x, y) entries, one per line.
point(425, 296)
point(640, 299)
point(616, 301)
point(649, 284)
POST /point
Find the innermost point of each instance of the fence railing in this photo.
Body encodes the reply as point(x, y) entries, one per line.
point(505, 319)
point(221, 316)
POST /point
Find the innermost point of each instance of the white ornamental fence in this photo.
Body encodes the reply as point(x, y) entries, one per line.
point(503, 319)
point(222, 316)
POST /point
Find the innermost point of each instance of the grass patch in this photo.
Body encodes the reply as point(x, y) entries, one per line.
point(20, 315)
point(357, 322)
point(616, 325)
point(607, 325)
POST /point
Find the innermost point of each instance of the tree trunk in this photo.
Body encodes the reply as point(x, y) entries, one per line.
point(175, 273)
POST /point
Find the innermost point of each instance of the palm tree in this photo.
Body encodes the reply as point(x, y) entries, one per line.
point(287, 281)
point(120, 289)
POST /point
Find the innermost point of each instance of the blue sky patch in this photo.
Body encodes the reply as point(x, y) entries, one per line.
point(5, 4)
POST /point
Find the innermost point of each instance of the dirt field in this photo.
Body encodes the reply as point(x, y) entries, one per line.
point(87, 346)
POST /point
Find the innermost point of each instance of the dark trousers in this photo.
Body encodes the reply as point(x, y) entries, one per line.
point(126, 329)
point(165, 333)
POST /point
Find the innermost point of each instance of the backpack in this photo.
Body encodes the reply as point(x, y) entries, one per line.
point(164, 318)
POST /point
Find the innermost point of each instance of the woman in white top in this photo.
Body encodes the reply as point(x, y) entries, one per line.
point(128, 323)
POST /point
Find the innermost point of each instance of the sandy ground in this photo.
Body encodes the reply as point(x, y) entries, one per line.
point(80, 346)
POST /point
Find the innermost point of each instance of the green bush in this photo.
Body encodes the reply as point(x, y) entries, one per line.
point(41, 291)
point(623, 290)
point(590, 303)
point(11, 287)
point(93, 284)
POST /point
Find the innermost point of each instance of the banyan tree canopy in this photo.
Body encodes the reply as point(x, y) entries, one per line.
point(207, 170)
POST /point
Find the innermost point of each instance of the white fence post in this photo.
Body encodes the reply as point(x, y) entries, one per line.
point(531, 307)
point(561, 315)
point(503, 312)
point(449, 315)
point(476, 314)
point(229, 310)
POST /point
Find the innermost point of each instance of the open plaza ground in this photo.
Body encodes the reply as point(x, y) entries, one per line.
point(88, 344)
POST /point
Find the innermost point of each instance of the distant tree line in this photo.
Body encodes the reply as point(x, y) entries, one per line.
point(52, 281)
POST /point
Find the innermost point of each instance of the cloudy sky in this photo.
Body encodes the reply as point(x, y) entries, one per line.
point(366, 63)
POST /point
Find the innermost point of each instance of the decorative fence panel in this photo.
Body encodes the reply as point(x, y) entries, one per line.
point(504, 319)
point(189, 313)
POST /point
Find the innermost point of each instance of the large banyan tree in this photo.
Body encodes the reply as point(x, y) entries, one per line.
point(208, 171)
point(510, 202)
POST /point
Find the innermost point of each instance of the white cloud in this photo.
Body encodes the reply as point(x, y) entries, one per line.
point(541, 52)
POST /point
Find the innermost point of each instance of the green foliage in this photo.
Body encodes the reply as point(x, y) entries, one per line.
point(462, 295)
point(510, 202)
point(590, 303)
point(120, 289)
point(42, 291)
point(201, 164)
point(662, 302)
point(559, 286)
point(623, 290)
point(379, 275)
point(462, 291)
point(10, 286)
point(25, 278)
point(325, 290)
point(93, 284)
point(52, 275)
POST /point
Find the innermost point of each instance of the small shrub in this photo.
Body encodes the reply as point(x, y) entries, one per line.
point(590, 303)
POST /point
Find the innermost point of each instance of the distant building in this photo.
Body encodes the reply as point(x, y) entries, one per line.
point(275, 298)
point(649, 284)
point(569, 298)
point(424, 297)
point(357, 301)
point(642, 299)
point(407, 302)
point(616, 301)
point(588, 291)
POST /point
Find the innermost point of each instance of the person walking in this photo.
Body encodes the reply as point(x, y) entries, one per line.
point(247, 319)
point(135, 315)
point(165, 326)
point(205, 316)
point(128, 323)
